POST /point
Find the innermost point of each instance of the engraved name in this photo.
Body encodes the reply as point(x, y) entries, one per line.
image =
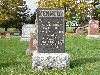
point(51, 13)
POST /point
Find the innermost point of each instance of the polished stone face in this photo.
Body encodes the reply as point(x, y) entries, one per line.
point(51, 34)
point(93, 27)
point(17, 33)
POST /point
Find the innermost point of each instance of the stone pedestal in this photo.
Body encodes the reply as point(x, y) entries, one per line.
point(25, 39)
point(42, 61)
point(16, 36)
point(92, 37)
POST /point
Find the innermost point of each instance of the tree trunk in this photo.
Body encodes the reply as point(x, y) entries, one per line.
point(6, 28)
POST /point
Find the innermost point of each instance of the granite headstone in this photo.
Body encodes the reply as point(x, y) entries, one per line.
point(26, 30)
point(51, 40)
point(93, 32)
point(32, 44)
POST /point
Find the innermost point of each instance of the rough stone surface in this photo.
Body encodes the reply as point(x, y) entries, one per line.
point(93, 32)
point(51, 40)
point(26, 30)
point(32, 44)
point(92, 37)
point(93, 27)
point(42, 61)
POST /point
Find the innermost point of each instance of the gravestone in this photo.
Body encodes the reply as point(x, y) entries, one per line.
point(16, 34)
point(51, 52)
point(7, 34)
point(80, 31)
point(26, 30)
point(0, 35)
point(32, 44)
point(93, 32)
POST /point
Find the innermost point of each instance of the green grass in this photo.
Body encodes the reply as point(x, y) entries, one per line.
point(72, 30)
point(85, 57)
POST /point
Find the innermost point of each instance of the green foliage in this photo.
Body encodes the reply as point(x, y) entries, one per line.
point(70, 29)
point(33, 18)
point(12, 13)
point(73, 10)
point(96, 10)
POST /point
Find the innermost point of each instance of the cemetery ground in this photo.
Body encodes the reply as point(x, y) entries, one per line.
point(84, 53)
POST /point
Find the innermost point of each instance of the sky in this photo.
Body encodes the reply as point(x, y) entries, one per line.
point(32, 5)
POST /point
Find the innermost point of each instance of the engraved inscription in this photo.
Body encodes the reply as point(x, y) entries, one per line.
point(51, 13)
point(51, 30)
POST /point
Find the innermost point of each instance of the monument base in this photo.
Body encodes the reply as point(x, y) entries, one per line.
point(29, 52)
point(92, 37)
point(42, 61)
point(25, 39)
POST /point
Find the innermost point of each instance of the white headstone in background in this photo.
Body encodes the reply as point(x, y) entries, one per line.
point(26, 30)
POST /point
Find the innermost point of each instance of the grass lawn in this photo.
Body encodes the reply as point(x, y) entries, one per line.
point(85, 57)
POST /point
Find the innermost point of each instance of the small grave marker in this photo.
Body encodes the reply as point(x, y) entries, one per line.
point(7, 34)
point(16, 34)
point(32, 44)
point(93, 32)
point(26, 30)
point(80, 31)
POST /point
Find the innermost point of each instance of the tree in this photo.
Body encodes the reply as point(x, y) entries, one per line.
point(73, 9)
point(33, 18)
point(11, 12)
point(96, 10)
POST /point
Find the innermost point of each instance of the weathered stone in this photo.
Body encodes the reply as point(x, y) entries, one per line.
point(42, 61)
point(7, 34)
point(80, 31)
point(51, 30)
point(26, 30)
point(93, 27)
point(51, 40)
point(32, 44)
point(93, 32)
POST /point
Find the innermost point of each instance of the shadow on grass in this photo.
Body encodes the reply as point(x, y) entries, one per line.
point(81, 61)
point(5, 65)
